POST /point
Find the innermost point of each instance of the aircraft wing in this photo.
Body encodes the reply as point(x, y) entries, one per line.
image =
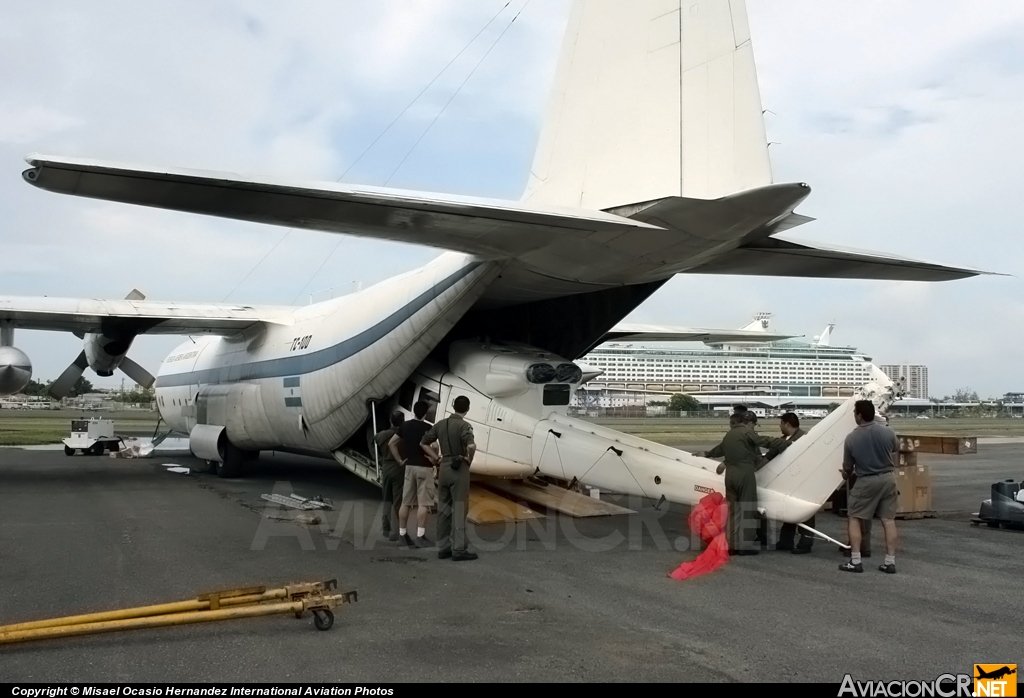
point(136, 316)
point(663, 333)
point(777, 256)
point(488, 228)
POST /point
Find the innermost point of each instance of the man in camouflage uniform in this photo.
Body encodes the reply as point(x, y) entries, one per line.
point(741, 448)
point(454, 438)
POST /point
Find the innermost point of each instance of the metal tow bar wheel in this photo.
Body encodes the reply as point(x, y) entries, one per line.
point(323, 619)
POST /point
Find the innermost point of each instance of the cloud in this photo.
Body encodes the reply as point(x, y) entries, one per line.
point(903, 117)
point(24, 124)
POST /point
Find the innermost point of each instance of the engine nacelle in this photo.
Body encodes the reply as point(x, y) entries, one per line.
point(207, 441)
point(15, 370)
point(104, 354)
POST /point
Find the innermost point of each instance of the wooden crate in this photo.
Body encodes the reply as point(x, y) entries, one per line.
point(949, 445)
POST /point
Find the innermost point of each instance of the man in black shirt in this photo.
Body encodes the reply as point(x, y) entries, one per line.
point(392, 475)
point(419, 490)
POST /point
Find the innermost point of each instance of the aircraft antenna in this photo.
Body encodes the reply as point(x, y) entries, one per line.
point(455, 94)
point(423, 91)
point(395, 120)
point(341, 238)
point(256, 266)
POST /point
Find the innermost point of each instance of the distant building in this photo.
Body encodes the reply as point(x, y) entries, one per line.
point(915, 374)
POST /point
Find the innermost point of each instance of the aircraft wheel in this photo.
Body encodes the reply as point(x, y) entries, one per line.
point(234, 462)
point(68, 451)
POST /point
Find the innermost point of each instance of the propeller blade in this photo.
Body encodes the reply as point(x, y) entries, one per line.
point(137, 373)
point(66, 381)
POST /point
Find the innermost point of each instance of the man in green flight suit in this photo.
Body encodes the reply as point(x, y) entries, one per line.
point(454, 437)
point(741, 448)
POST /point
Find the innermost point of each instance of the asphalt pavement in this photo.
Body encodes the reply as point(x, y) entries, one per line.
point(556, 600)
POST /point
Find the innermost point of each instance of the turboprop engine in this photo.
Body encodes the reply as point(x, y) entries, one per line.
point(15, 370)
point(104, 353)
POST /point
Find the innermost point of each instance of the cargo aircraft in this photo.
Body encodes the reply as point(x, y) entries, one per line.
point(652, 162)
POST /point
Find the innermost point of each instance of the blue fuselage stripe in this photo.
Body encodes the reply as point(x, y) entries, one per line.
point(320, 359)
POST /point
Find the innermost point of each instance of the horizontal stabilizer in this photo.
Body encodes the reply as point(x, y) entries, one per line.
point(780, 257)
point(484, 227)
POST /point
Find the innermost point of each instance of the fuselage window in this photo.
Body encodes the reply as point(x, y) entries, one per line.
point(406, 394)
point(432, 398)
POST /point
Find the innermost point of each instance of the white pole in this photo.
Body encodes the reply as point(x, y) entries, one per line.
point(376, 454)
point(822, 535)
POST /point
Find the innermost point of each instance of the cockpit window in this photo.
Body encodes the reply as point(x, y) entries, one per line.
point(540, 373)
point(568, 373)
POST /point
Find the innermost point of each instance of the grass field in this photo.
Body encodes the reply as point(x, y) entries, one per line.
point(684, 432)
point(35, 427)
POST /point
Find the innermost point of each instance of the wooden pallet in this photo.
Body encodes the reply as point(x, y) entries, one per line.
point(486, 507)
point(555, 498)
point(916, 515)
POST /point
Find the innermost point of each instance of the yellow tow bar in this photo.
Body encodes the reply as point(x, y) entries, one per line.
point(222, 605)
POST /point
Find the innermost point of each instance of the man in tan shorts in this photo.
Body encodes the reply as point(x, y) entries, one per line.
point(419, 490)
point(869, 453)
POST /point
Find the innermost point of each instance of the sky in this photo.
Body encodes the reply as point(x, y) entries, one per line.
point(904, 118)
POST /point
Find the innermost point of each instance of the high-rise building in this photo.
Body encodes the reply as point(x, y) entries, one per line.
point(915, 375)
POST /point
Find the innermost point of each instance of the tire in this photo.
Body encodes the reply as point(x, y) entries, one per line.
point(68, 451)
point(96, 449)
point(992, 524)
point(235, 460)
point(323, 619)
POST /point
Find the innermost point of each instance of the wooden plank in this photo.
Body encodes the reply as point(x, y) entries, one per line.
point(557, 498)
point(486, 507)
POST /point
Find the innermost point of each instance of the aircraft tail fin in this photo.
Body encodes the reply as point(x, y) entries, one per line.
point(809, 470)
point(652, 99)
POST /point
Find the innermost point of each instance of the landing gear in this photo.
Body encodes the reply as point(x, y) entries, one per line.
point(235, 461)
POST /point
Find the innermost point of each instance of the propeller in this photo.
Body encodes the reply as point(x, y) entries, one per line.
point(66, 381)
point(137, 373)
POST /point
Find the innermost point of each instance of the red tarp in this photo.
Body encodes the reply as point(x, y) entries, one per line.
point(708, 519)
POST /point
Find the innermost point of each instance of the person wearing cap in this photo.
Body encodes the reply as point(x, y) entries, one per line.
point(741, 449)
point(789, 425)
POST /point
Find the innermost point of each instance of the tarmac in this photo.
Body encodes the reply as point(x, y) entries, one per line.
point(557, 600)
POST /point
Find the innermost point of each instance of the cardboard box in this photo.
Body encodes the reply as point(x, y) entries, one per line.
point(906, 460)
point(905, 484)
point(915, 489)
point(922, 488)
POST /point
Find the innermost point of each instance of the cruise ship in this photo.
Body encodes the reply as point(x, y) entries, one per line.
point(771, 374)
